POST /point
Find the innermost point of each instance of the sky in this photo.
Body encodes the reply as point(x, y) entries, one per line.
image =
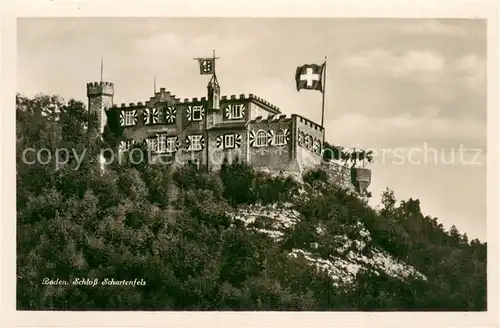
point(412, 90)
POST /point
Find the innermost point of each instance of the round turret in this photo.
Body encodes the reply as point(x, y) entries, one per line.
point(361, 178)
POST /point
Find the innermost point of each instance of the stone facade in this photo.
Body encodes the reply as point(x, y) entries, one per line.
point(100, 95)
point(206, 130)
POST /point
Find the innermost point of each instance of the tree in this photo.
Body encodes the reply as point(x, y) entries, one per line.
point(175, 230)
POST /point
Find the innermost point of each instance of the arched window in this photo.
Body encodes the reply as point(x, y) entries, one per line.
point(279, 138)
point(261, 139)
point(317, 146)
point(308, 142)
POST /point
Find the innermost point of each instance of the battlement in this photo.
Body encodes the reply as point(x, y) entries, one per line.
point(251, 97)
point(95, 88)
point(100, 88)
point(307, 122)
point(160, 96)
point(271, 119)
point(195, 100)
point(264, 102)
point(124, 106)
point(185, 101)
point(162, 91)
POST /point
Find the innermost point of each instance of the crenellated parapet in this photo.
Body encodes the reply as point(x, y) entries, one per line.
point(100, 88)
point(271, 119)
point(264, 102)
point(306, 122)
point(193, 101)
point(310, 135)
point(129, 106)
point(253, 98)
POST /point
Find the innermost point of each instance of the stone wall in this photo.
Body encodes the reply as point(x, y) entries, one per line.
point(100, 96)
point(307, 139)
point(339, 174)
point(272, 155)
point(217, 149)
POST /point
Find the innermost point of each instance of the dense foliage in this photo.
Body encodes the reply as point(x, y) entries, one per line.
point(173, 229)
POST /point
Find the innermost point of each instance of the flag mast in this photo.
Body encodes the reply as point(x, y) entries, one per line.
point(101, 68)
point(323, 91)
point(214, 61)
point(214, 76)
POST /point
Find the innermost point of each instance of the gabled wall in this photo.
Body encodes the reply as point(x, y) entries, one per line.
point(270, 155)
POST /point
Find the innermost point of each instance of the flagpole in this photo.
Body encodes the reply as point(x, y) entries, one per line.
point(324, 89)
point(214, 63)
point(101, 67)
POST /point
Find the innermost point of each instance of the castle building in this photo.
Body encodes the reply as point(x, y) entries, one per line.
point(208, 129)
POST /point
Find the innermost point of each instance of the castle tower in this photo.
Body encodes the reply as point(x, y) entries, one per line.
point(100, 95)
point(213, 89)
point(213, 105)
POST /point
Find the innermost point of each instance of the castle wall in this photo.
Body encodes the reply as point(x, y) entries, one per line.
point(253, 123)
point(271, 156)
point(227, 108)
point(308, 142)
point(251, 120)
point(339, 174)
point(165, 114)
point(214, 117)
point(257, 110)
point(217, 149)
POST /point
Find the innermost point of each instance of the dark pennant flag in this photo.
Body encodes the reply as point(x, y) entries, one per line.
point(207, 65)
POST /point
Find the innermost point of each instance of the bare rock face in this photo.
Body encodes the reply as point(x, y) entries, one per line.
point(350, 255)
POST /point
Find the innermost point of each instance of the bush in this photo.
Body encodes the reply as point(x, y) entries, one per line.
point(314, 176)
point(238, 181)
point(121, 224)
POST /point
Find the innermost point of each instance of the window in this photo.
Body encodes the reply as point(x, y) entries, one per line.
point(261, 138)
point(171, 144)
point(236, 111)
point(161, 143)
point(152, 117)
point(151, 144)
point(127, 145)
point(279, 138)
point(196, 115)
point(229, 141)
point(129, 117)
point(301, 138)
point(147, 118)
point(308, 142)
point(160, 115)
point(170, 115)
point(196, 142)
point(317, 146)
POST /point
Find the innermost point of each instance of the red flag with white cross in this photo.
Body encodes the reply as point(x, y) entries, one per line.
point(310, 77)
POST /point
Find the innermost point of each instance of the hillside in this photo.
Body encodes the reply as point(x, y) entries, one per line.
point(233, 240)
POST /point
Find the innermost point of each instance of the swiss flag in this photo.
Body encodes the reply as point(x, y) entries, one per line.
point(309, 77)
